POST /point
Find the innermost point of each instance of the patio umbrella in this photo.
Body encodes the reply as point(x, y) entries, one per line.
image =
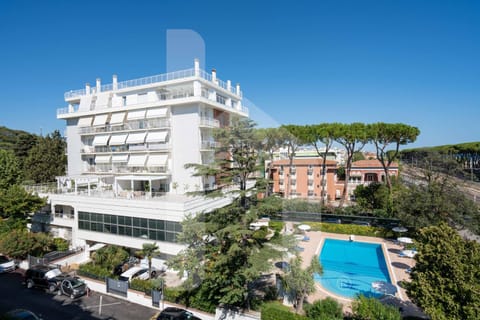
point(400, 229)
point(405, 240)
point(304, 227)
point(384, 287)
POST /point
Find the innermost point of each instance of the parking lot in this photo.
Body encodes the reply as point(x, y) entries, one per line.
point(14, 295)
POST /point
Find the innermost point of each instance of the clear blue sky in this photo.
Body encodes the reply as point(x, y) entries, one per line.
point(410, 61)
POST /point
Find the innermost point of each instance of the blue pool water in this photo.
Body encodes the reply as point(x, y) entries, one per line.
point(349, 268)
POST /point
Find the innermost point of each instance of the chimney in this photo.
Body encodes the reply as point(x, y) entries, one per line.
point(114, 82)
point(197, 67)
point(214, 76)
point(99, 84)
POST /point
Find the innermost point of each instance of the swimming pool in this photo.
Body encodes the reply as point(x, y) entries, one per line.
point(350, 267)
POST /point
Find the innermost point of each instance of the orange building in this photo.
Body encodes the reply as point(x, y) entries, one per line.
point(304, 181)
point(305, 178)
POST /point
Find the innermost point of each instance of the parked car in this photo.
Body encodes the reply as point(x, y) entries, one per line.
point(6, 264)
point(21, 314)
point(172, 313)
point(72, 287)
point(135, 272)
point(332, 220)
point(125, 265)
point(44, 277)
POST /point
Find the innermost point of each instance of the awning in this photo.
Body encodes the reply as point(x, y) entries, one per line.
point(157, 113)
point(120, 158)
point(84, 122)
point(137, 160)
point(137, 114)
point(97, 246)
point(118, 139)
point(100, 119)
point(117, 118)
point(136, 138)
point(102, 100)
point(159, 136)
point(102, 159)
point(85, 103)
point(140, 178)
point(157, 160)
point(100, 140)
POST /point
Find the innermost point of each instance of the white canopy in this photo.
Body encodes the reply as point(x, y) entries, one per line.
point(157, 113)
point(120, 158)
point(159, 136)
point(405, 240)
point(157, 160)
point(138, 137)
point(102, 159)
point(304, 227)
point(100, 140)
point(84, 122)
point(136, 114)
point(137, 160)
point(118, 139)
point(85, 103)
point(117, 118)
point(102, 100)
point(100, 119)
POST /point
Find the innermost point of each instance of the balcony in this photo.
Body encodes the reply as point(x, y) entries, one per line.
point(209, 122)
point(132, 125)
point(209, 145)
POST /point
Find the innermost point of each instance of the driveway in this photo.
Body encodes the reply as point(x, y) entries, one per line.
point(14, 295)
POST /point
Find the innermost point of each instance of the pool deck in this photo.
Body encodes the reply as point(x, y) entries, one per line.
point(397, 266)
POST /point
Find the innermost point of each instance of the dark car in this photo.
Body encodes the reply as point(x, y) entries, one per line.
point(332, 220)
point(21, 314)
point(41, 276)
point(172, 313)
point(72, 287)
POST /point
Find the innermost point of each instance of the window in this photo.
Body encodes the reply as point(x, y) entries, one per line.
point(131, 227)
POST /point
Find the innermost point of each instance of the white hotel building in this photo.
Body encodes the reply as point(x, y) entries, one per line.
point(128, 143)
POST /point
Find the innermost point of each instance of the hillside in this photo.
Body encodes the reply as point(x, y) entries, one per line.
point(9, 137)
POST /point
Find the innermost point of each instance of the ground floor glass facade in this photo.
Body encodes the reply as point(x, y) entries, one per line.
point(153, 229)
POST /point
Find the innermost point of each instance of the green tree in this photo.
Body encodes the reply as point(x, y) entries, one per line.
point(445, 279)
point(109, 256)
point(17, 203)
point(19, 243)
point(149, 250)
point(317, 135)
point(236, 158)
point(371, 197)
point(270, 139)
point(25, 142)
point(292, 137)
point(47, 159)
point(10, 172)
point(299, 282)
point(383, 135)
point(326, 309)
point(353, 138)
point(372, 309)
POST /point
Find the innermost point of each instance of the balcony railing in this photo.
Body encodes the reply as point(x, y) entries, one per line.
point(131, 125)
point(209, 122)
point(209, 145)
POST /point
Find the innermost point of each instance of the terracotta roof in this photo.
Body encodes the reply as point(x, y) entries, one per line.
point(304, 161)
point(371, 164)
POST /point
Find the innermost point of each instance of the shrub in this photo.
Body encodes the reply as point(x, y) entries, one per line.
point(277, 226)
point(350, 229)
point(60, 244)
point(275, 311)
point(370, 308)
point(327, 309)
point(93, 271)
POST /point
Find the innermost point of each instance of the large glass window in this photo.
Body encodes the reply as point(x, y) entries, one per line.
point(127, 226)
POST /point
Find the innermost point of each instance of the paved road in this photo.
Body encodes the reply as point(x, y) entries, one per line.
point(14, 295)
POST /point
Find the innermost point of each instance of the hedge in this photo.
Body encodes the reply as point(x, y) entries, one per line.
point(350, 229)
point(93, 271)
point(276, 311)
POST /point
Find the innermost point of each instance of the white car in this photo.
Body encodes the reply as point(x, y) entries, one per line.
point(6, 265)
point(135, 272)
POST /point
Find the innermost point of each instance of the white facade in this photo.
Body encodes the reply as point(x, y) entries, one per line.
point(128, 144)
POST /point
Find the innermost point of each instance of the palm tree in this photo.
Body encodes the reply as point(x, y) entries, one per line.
point(148, 251)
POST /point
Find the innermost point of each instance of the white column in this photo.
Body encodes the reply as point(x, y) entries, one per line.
point(238, 89)
point(99, 84)
point(196, 64)
point(214, 76)
point(87, 88)
point(229, 85)
point(114, 82)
